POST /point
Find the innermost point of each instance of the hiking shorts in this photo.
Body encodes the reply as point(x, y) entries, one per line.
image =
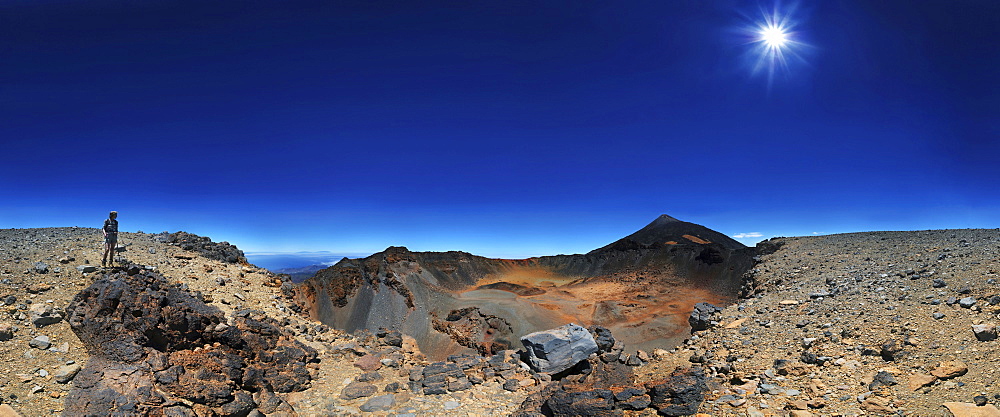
point(111, 239)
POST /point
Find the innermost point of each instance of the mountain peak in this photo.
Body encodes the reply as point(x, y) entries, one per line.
point(664, 218)
point(666, 230)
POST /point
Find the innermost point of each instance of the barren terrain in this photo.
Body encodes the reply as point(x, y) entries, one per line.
point(876, 323)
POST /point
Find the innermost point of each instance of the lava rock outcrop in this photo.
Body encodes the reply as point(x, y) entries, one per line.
point(220, 251)
point(157, 349)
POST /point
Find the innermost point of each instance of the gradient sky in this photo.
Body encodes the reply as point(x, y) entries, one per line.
point(505, 129)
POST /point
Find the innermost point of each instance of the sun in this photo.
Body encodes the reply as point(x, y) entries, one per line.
point(775, 40)
point(773, 37)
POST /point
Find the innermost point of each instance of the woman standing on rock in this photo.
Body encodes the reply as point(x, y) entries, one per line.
point(110, 239)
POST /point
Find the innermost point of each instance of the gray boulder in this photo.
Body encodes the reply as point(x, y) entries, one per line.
point(379, 403)
point(40, 342)
point(41, 267)
point(44, 315)
point(86, 268)
point(66, 373)
point(701, 317)
point(556, 350)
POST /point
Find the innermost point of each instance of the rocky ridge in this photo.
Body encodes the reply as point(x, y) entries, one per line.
point(878, 323)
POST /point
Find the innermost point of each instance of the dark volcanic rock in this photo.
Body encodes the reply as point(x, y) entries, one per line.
point(471, 328)
point(154, 345)
point(358, 389)
point(220, 251)
point(603, 337)
point(437, 374)
point(680, 394)
point(599, 402)
point(632, 398)
point(892, 350)
point(701, 317)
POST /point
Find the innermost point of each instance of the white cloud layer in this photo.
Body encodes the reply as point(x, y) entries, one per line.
point(747, 235)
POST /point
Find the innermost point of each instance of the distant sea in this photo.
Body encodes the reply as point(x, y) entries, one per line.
point(274, 261)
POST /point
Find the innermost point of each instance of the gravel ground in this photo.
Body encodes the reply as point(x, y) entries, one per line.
point(831, 314)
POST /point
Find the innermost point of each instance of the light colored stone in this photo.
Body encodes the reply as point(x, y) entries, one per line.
point(950, 369)
point(660, 354)
point(6, 411)
point(66, 373)
point(984, 332)
point(379, 403)
point(918, 381)
point(971, 410)
point(735, 323)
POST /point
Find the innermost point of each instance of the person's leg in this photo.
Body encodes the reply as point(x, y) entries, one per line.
point(104, 256)
point(111, 252)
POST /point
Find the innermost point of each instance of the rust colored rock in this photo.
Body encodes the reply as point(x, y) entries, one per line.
point(154, 348)
point(950, 369)
point(369, 363)
point(971, 410)
point(918, 381)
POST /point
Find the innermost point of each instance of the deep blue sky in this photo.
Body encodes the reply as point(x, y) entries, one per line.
point(501, 128)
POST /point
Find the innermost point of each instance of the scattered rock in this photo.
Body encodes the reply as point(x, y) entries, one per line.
point(967, 302)
point(6, 332)
point(41, 267)
point(556, 350)
point(66, 373)
point(598, 402)
point(984, 332)
point(892, 350)
point(950, 369)
point(603, 337)
point(971, 410)
point(632, 398)
point(358, 389)
point(436, 377)
point(44, 314)
point(40, 342)
point(701, 317)
point(368, 363)
point(511, 385)
point(918, 381)
point(86, 268)
point(38, 288)
point(680, 394)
